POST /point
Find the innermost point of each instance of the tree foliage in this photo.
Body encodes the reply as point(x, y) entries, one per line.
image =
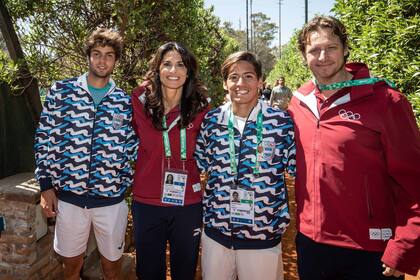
point(53, 32)
point(262, 36)
point(8, 70)
point(385, 34)
point(264, 32)
point(291, 66)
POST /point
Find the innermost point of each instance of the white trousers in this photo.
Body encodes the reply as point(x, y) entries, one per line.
point(221, 263)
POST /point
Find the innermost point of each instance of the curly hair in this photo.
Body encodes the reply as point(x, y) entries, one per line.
point(104, 37)
point(322, 22)
point(194, 93)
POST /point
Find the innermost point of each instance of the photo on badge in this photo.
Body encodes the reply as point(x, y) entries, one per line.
point(241, 207)
point(235, 197)
point(169, 179)
point(174, 184)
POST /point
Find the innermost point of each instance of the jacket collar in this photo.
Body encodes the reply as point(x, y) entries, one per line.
point(82, 82)
point(226, 110)
point(306, 93)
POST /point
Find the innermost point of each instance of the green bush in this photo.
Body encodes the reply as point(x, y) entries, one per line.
point(291, 66)
point(385, 34)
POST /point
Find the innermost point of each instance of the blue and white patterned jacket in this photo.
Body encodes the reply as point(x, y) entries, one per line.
point(85, 151)
point(271, 206)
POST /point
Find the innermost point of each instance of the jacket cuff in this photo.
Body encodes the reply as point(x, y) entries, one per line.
point(45, 184)
point(400, 259)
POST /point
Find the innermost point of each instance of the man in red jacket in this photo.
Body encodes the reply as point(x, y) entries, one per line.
point(358, 166)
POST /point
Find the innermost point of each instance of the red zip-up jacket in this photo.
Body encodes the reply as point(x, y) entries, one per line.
point(358, 170)
point(151, 159)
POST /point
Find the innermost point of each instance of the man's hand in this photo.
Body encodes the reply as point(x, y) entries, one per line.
point(204, 176)
point(49, 203)
point(389, 271)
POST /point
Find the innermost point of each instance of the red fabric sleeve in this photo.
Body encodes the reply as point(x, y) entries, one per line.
point(401, 140)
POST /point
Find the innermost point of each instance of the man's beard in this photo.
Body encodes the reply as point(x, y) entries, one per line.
point(99, 75)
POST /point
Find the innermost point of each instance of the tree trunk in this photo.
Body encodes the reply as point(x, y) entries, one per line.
point(19, 114)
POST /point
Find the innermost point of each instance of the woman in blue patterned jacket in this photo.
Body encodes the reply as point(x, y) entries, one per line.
point(244, 148)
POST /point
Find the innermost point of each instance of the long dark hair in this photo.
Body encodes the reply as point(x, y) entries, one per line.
point(194, 93)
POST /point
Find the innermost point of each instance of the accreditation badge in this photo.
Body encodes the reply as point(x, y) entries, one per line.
point(266, 150)
point(241, 206)
point(174, 184)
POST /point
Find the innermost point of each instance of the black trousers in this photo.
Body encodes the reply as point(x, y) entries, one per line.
point(318, 261)
point(154, 226)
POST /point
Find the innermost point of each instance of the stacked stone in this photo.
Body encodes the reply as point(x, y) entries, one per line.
point(23, 254)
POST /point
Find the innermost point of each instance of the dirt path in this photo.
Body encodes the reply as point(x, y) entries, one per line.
point(288, 241)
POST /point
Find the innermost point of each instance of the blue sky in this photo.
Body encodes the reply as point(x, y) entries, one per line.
point(292, 13)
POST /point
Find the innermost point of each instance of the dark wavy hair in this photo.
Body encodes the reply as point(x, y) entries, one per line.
point(194, 93)
point(104, 37)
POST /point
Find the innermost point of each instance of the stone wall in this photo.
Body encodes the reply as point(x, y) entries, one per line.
point(26, 244)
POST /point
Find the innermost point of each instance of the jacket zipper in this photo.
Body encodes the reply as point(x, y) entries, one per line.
point(240, 149)
point(315, 146)
point(368, 203)
point(239, 157)
point(237, 176)
point(238, 165)
point(91, 144)
point(316, 184)
point(110, 90)
point(93, 130)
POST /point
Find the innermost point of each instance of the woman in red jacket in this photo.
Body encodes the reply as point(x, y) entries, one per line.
point(167, 117)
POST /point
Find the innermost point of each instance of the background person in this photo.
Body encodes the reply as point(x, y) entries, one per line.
point(167, 118)
point(244, 147)
point(358, 149)
point(280, 95)
point(82, 183)
point(266, 92)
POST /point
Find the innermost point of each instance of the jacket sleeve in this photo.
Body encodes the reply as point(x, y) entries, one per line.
point(42, 142)
point(401, 141)
point(136, 107)
point(290, 150)
point(131, 148)
point(200, 154)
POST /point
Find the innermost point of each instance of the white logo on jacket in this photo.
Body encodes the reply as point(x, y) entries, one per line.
point(348, 115)
point(117, 121)
point(380, 234)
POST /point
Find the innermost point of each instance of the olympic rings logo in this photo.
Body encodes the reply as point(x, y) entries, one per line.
point(348, 115)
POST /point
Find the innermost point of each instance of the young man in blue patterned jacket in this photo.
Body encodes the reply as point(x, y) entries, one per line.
point(244, 148)
point(83, 148)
